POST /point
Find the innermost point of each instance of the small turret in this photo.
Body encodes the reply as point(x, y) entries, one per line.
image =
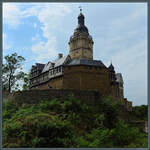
point(112, 73)
point(111, 68)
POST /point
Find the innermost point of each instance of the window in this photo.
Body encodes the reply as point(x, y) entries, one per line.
point(59, 69)
point(51, 72)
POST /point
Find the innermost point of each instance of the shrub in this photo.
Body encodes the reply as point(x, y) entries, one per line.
point(38, 130)
point(68, 123)
point(51, 105)
point(9, 108)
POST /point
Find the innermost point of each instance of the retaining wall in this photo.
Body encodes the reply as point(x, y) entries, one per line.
point(35, 96)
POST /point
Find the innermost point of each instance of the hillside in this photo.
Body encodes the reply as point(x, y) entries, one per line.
point(70, 123)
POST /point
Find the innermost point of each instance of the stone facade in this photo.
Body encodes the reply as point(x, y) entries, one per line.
point(87, 78)
point(81, 46)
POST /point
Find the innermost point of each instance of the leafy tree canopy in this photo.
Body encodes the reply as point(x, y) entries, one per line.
point(12, 72)
point(26, 81)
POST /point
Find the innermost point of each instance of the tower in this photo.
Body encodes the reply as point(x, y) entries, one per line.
point(81, 43)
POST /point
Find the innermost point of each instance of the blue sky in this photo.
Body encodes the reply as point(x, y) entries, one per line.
point(39, 31)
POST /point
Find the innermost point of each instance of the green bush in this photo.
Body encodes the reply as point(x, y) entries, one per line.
point(52, 105)
point(140, 112)
point(72, 105)
point(38, 130)
point(69, 123)
point(9, 108)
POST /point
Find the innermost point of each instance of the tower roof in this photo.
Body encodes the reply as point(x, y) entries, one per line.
point(111, 67)
point(81, 27)
point(86, 62)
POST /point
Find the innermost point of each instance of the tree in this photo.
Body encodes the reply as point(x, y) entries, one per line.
point(12, 71)
point(26, 81)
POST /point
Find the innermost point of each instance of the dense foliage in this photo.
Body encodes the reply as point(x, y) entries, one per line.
point(68, 123)
point(140, 112)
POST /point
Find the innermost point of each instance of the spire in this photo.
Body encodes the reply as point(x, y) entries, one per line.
point(81, 17)
point(111, 67)
point(80, 9)
point(81, 27)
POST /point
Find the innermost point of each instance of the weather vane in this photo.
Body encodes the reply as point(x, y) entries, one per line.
point(80, 9)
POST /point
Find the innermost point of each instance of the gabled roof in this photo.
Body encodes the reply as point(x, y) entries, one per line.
point(56, 63)
point(87, 62)
point(60, 61)
point(40, 66)
point(47, 66)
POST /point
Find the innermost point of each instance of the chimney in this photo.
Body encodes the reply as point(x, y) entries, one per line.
point(60, 55)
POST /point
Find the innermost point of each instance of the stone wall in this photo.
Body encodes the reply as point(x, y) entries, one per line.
point(81, 46)
point(35, 96)
point(6, 96)
point(87, 78)
point(127, 104)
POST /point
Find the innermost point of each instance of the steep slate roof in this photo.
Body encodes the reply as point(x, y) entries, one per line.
point(39, 66)
point(60, 61)
point(119, 77)
point(87, 62)
point(56, 63)
point(47, 66)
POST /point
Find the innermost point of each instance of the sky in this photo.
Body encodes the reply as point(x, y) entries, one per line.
point(39, 31)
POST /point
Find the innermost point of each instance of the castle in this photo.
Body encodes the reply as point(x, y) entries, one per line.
point(78, 70)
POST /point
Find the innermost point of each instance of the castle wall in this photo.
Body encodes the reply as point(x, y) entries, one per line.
point(87, 78)
point(115, 91)
point(56, 83)
point(83, 78)
point(35, 96)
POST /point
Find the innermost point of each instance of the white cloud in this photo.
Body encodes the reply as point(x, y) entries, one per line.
point(6, 44)
point(35, 25)
point(45, 50)
point(50, 16)
point(36, 37)
point(125, 44)
point(11, 14)
point(129, 21)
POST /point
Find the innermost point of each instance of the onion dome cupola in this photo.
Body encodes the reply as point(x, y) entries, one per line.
point(81, 27)
point(81, 43)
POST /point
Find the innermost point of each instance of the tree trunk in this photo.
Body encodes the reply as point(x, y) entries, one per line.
point(9, 82)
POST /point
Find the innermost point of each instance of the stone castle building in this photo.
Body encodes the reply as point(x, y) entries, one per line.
point(78, 70)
